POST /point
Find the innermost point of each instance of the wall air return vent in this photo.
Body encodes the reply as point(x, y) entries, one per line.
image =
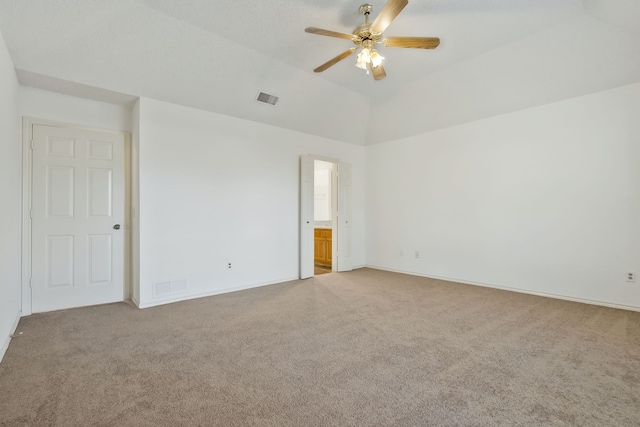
point(170, 287)
point(266, 98)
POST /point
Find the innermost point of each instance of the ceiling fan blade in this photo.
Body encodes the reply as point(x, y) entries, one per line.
point(335, 60)
point(412, 42)
point(377, 72)
point(388, 14)
point(321, 32)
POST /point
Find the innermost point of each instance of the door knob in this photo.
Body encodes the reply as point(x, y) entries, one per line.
point(116, 227)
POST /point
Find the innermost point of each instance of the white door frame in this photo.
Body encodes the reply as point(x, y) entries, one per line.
point(335, 194)
point(27, 169)
point(307, 206)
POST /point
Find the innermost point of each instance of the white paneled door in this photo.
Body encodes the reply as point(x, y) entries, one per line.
point(344, 217)
point(78, 214)
point(306, 217)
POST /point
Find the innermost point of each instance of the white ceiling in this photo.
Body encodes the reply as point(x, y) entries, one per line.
point(496, 56)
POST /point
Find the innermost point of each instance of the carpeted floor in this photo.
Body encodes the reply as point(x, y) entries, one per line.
point(365, 348)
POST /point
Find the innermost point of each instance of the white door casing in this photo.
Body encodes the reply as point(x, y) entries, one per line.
point(306, 216)
point(341, 241)
point(78, 196)
point(344, 217)
point(334, 217)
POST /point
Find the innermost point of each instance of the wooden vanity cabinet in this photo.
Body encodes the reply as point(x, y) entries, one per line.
point(322, 247)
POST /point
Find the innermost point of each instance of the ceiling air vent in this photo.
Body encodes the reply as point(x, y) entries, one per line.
point(266, 98)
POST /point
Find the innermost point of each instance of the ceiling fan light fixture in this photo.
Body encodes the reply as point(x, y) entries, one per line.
point(376, 59)
point(363, 59)
point(361, 65)
point(364, 56)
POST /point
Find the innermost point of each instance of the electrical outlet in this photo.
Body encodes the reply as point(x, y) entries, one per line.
point(417, 254)
point(229, 266)
point(631, 276)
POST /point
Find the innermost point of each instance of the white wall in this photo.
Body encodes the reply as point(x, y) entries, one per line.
point(528, 72)
point(43, 104)
point(544, 200)
point(216, 189)
point(322, 191)
point(10, 195)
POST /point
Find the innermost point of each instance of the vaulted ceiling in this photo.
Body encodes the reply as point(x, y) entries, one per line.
point(496, 56)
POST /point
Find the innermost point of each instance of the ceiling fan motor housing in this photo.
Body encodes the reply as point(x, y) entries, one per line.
point(364, 36)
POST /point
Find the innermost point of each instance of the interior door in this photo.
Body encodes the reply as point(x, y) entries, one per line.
point(344, 218)
point(78, 215)
point(306, 217)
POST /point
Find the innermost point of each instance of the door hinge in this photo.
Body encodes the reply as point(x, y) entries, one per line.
point(30, 282)
point(31, 144)
point(30, 213)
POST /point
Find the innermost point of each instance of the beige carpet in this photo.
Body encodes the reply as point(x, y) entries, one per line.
point(365, 348)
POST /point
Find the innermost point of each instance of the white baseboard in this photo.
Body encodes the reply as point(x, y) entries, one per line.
point(209, 294)
point(5, 345)
point(187, 297)
point(507, 288)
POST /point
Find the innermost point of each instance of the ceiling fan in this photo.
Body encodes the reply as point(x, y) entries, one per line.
point(367, 35)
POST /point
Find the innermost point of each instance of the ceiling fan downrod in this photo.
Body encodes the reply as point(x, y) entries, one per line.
point(366, 10)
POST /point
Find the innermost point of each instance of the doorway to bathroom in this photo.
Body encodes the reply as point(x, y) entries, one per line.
point(323, 213)
point(325, 216)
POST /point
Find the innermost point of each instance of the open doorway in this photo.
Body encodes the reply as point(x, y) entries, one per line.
point(334, 222)
point(323, 215)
